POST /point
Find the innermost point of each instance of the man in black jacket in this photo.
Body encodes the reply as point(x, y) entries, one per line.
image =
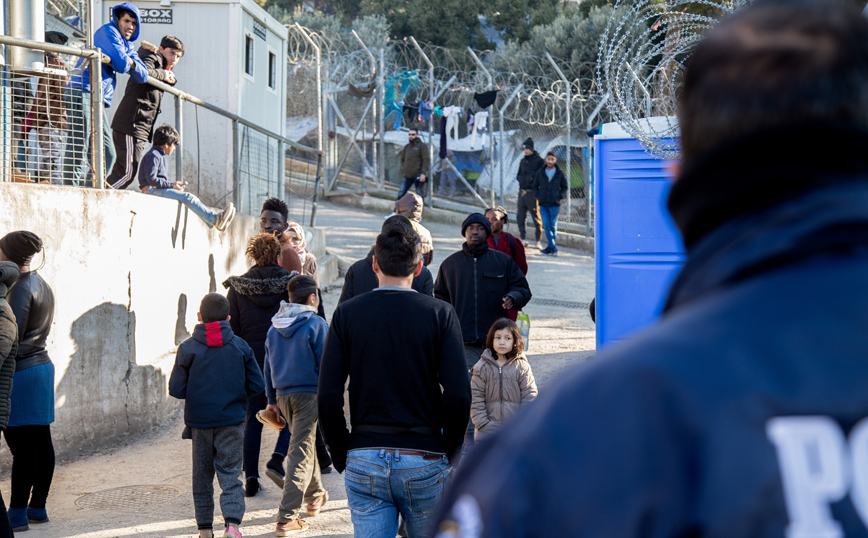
point(481, 284)
point(133, 124)
point(409, 397)
point(550, 187)
point(527, 169)
point(361, 278)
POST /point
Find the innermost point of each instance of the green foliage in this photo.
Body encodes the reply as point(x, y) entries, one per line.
point(447, 23)
point(515, 18)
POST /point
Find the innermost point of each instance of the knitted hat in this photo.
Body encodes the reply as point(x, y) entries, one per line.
point(527, 144)
point(476, 218)
point(20, 246)
point(57, 38)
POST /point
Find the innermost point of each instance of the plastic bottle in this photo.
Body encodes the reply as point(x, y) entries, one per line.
point(523, 322)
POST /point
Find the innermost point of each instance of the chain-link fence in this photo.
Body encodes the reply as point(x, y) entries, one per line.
point(367, 97)
point(54, 131)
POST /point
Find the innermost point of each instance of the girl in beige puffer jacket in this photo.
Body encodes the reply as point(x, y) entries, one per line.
point(501, 382)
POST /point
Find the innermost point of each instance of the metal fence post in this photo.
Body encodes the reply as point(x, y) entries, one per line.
point(96, 108)
point(431, 91)
point(490, 131)
point(281, 169)
point(502, 146)
point(590, 185)
point(569, 137)
point(179, 125)
point(236, 173)
point(316, 183)
point(382, 90)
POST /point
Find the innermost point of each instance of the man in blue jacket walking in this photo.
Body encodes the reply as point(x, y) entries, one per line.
point(743, 411)
point(115, 40)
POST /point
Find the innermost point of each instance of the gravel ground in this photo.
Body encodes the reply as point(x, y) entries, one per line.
point(151, 474)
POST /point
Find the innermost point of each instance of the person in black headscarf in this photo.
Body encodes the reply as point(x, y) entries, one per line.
point(29, 430)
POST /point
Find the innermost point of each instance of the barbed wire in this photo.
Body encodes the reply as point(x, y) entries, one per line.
point(540, 102)
point(640, 63)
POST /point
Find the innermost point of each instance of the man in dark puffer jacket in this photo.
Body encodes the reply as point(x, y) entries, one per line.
point(527, 202)
point(8, 350)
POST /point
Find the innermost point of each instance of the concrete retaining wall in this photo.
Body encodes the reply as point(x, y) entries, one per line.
point(128, 271)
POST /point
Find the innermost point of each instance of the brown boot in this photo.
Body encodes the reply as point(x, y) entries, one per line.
point(291, 527)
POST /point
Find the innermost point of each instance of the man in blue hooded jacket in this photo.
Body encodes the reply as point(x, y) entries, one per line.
point(115, 40)
point(743, 411)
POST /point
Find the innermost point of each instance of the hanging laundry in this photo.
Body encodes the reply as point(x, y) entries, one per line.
point(438, 110)
point(425, 110)
point(480, 125)
point(362, 93)
point(411, 111)
point(485, 99)
point(443, 148)
point(452, 114)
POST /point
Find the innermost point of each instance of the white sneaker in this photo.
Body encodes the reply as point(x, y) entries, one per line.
point(224, 219)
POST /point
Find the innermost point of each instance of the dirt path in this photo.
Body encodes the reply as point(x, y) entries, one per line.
point(143, 487)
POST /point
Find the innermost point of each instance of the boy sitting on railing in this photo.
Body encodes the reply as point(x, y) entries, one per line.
point(153, 179)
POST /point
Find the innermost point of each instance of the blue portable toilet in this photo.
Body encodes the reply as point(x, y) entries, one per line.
point(638, 249)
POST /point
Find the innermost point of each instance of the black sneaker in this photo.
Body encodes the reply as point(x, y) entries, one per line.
point(274, 470)
point(325, 470)
point(252, 487)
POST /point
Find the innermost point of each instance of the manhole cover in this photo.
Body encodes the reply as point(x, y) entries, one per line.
point(127, 497)
point(562, 304)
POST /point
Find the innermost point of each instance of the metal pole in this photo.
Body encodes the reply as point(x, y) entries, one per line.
point(88, 32)
point(382, 97)
point(374, 70)
point(589, 182)
point(281, 169)
point(316, 182)
point(569, 135)
point(179, 125)
point(236, 175)
point(97, 150)
point(502, 147)
point(490, 133)
point(320, 123)
point(429, 175)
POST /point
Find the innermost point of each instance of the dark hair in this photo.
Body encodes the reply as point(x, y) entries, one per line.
point(166, 134)
point(300, 288)
point(552, 153)
point(119, 13)
point(775, 63)
point(499, 212)
point(412, 129)
point(276, 204)
point(517, 340)
point(398, 248)
point(171, 42)
point(263, 249)
point(214, 307)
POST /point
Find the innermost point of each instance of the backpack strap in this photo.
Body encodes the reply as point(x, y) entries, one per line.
point(511, 240)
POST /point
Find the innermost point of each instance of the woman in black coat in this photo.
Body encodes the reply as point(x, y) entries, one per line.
point(254, 298)
point(8, 349)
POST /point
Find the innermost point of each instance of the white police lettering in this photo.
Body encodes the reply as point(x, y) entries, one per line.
point(815, 470)
point(859, 455)
point(465, 520)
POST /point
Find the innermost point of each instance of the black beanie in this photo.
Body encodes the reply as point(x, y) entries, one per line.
point(527, 144)
point(20, 246)
point(56, 38)
point(476, 218)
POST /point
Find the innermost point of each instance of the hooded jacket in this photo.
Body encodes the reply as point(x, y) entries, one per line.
point(474, 281)
point(254, 298)
point(48, 108)
point(109, 40)
point(361, 278)
point(724, 418)
point(414, 159)
point(498, 393)
point(410, 205)
point(550, 192)
point(527, 169)
point(8, 341)
point(137, 113)
point(215, 373)
point(293, 350)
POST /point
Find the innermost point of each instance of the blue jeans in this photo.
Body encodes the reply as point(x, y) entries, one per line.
point(380, 485)
point(189, 200)
point(253, 436)
point(407, 183)
point(77, 156)
point(549, 215)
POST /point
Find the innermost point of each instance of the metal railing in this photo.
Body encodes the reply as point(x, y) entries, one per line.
point(66, 147)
